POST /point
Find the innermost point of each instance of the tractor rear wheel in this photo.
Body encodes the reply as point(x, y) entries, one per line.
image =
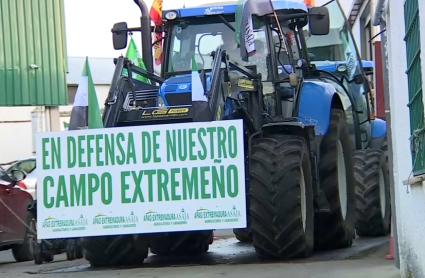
point(373, 203)
point(281, 197)
point(335, 229)
point(182, 243)
point(115, 250)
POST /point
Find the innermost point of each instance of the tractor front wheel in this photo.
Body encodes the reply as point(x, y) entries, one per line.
point(182, 243)
point(115, 250)
point(281, 197)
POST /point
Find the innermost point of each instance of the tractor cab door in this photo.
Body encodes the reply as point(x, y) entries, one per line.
point(337, 54)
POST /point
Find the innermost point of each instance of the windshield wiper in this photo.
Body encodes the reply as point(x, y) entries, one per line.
point(227, 23)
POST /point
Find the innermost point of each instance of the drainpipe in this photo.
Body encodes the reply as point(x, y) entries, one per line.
point(380, 7)
point(145, 23)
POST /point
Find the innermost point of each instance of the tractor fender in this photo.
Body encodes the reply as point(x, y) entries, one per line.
point(315, 105)
point(379, 133)
point(379, 128)
point(288, 127)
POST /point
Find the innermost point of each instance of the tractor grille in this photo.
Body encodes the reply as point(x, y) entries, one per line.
point(179, 99)
point(144, 98)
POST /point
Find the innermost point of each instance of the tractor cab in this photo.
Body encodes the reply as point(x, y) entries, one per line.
point(193, 36)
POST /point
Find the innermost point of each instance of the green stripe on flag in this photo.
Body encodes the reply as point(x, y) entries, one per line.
point(198, 91)
point(94, 117)
point(194, 64)
point(134, 56)
point(238, 21)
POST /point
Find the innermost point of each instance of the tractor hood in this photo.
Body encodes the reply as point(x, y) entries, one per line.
point(177, 90)
point(334, 67)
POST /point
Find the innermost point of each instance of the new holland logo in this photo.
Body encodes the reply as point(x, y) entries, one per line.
point(214, 10)
point(102, 219)
point(52, 222)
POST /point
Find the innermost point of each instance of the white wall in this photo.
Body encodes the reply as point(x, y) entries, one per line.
point(346, 5)
point(16, 128)
point(15, 133)
point(355, 29)
point(410, 201)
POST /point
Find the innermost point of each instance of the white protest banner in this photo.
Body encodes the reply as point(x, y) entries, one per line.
point(141, 179)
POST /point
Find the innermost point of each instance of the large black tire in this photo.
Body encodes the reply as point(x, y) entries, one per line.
point(120, 250)
point(373, 202)
point(279, 166)
point(335, 229)
point(24, 252)
point(73, 249)
point(181, 243)
point(243, 235)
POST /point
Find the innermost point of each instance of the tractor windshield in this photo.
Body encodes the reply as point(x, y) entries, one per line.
point(337, 47)
point(196, 40)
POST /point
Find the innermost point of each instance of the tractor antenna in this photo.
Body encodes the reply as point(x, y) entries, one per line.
point(280, 32)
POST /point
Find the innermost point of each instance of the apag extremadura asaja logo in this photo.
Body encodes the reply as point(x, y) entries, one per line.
point(207, 215)
point(52, 222)
point(166, 218)
point(102, 219)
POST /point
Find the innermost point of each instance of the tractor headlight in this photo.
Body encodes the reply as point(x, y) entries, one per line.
point(161, 102)
point(342, 68)
point(171, 15)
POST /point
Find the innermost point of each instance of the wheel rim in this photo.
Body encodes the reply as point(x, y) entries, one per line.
point(382, 191)
point(303, 200)
point(342, 179)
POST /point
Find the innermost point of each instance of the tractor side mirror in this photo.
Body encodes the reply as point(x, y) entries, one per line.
point(318, 20)
point(120, 35)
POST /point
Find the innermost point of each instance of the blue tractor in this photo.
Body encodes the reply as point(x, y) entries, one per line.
point(315, 154)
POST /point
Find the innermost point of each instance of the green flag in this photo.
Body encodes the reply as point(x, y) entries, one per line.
point(85, 112)
point(194, 64)
point(94, 118)
point(134, 56)
point(198, 91)
point(238, 20)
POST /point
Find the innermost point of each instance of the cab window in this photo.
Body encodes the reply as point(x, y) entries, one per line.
point(338, 46)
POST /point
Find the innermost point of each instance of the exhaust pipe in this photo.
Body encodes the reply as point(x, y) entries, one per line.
point(145, 23)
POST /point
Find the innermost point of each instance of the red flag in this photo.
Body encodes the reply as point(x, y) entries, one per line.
point(310, 3)
point(158, 54)
point(156, 17)
point(156, 12)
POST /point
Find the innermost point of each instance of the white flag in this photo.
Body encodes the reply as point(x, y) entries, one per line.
point(198, 91)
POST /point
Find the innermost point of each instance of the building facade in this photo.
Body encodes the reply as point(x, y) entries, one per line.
point(19, 124)
point(403, 34)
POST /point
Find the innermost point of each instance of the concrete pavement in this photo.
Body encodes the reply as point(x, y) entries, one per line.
point(226, 258)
